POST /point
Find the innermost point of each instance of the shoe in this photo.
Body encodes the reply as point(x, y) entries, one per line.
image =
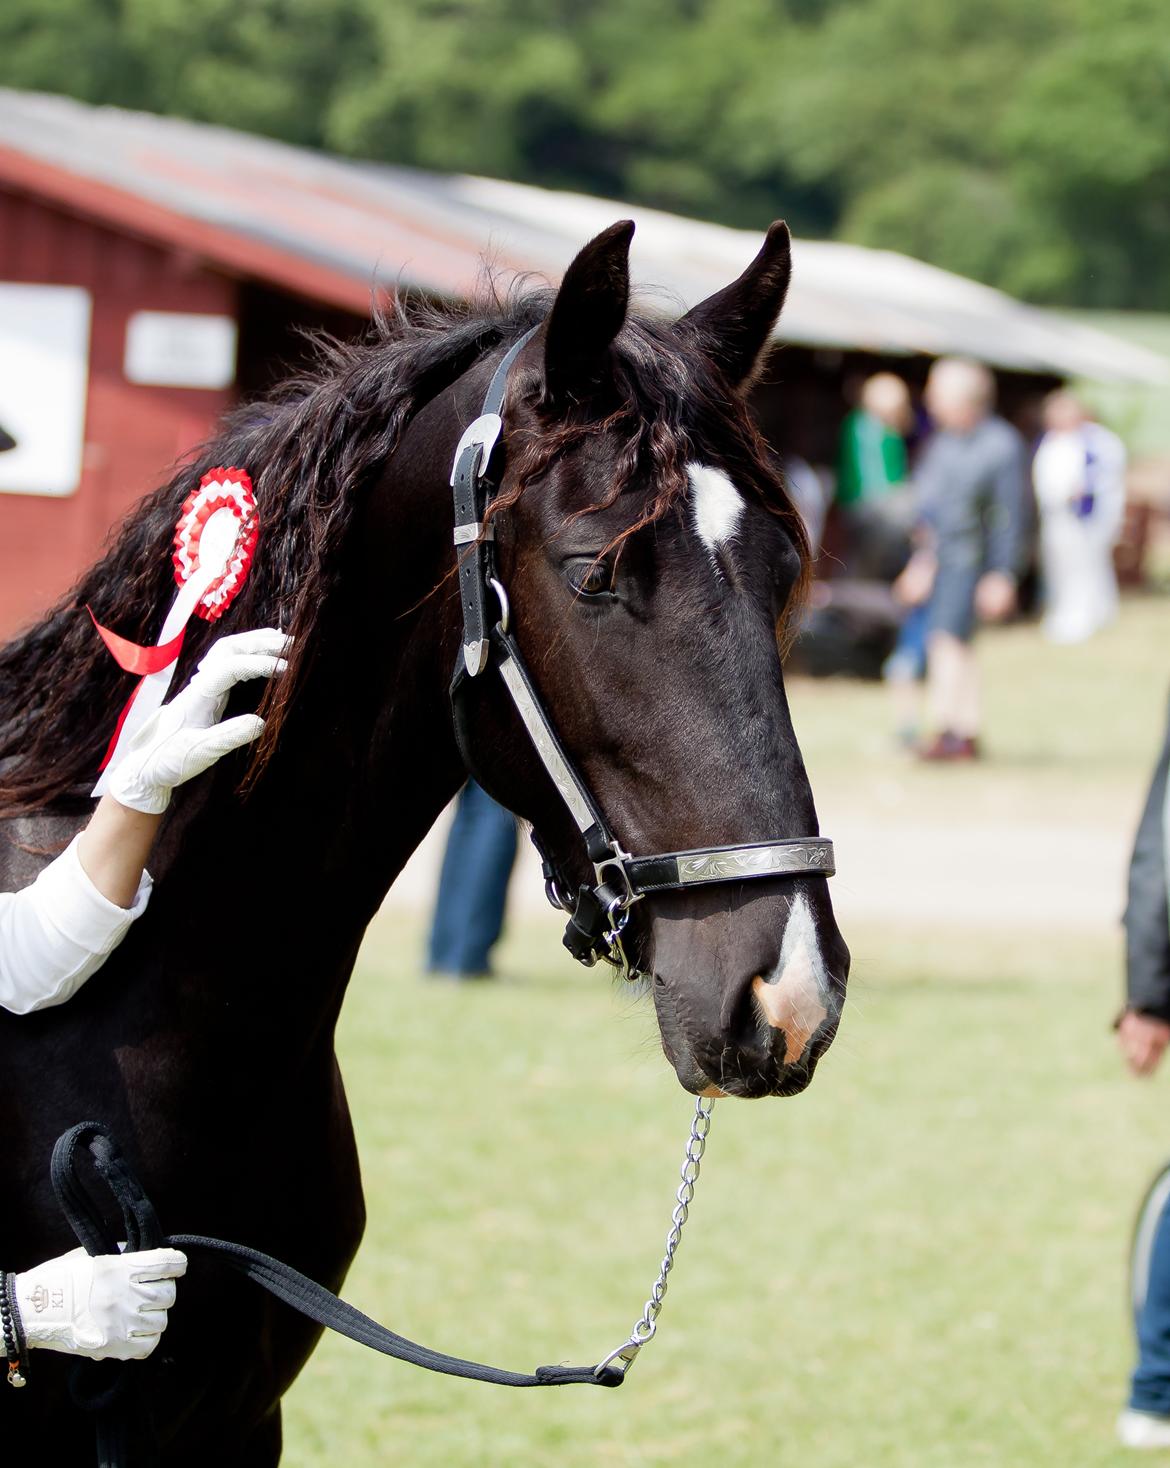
point(1143, 1430)
point(949, 747)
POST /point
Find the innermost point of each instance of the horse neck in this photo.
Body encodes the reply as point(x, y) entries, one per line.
point(367, 759)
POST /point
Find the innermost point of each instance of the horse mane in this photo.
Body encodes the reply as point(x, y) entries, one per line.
point(313, 447)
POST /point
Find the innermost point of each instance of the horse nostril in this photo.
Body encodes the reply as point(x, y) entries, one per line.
point(794, 1006)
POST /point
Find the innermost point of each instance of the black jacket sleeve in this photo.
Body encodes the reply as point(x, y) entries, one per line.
point(1147, 914)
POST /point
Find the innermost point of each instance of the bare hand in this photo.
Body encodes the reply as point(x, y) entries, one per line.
point(1142, 1039)
point(995, 596)
point(914, 585)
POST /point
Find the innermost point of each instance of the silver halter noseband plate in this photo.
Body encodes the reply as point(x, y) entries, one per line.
point(598, 913)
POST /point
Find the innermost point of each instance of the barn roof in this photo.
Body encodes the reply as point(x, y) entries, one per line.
point(330, 229)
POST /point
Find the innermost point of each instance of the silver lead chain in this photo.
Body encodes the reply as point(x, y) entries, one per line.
point(647, 1324)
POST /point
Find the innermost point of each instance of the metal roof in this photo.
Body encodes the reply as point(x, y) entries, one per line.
point(332, 229)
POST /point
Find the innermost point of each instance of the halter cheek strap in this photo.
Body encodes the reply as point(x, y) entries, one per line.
point(598, 913)
point(471, 480)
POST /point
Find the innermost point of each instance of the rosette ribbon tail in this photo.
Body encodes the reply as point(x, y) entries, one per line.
point(156, 667)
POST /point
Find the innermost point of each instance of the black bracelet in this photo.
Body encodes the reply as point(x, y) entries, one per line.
point(12, 1330)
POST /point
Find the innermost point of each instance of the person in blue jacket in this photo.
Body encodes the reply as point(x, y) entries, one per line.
point(1143, 1032)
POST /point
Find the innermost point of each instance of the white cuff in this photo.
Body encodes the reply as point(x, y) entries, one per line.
point(57, 932)
point(76, 908)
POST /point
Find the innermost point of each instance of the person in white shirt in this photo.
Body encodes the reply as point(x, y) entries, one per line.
point(57, 932)
point(1079, 478)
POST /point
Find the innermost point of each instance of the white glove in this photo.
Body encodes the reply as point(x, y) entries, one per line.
point(182, 739)
point(108, 1305)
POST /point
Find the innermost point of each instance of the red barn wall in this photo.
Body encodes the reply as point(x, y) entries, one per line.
point(132, 432)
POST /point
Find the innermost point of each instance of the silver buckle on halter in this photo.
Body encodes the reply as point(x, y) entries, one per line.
point(484, 434)
point(617, 862)
point(617, 910)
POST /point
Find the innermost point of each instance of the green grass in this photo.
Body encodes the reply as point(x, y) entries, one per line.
point(918, 1262)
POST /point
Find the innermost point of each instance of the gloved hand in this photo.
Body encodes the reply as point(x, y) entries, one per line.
point(182, 739)
point(108, 1305)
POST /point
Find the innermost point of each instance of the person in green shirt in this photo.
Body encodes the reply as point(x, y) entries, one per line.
point(872, 459)
point(874, 500)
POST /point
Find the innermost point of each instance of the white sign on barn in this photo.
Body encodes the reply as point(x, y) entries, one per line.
point(44, 372)
point(180, 349)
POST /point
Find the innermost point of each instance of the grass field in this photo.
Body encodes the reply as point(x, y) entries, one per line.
point(918, 1262)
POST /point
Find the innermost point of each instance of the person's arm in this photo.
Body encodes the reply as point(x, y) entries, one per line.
point(114, 848)
point(1144, 1028)
point(1007, 509)
point(1111, 483)
point(59, 931)
point(1147, 912)
point(995, 594)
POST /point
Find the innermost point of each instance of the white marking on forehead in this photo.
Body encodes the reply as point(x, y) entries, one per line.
point(715, 503)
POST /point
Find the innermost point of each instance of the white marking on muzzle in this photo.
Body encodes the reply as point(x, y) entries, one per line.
point(793, 996)
point(716, 505)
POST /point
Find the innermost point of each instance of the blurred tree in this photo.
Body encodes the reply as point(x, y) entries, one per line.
point(71, 46)
point(1088, 141)
point(1026, 145)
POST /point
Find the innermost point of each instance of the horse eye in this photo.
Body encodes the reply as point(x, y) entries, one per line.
point(590, 578)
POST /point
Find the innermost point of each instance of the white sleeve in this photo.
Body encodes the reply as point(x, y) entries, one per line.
point(1111, 481)
point(1058, 471)
point(57, 932)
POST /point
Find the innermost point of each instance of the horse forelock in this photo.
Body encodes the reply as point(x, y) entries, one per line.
point(312, 447)
point(663, 406)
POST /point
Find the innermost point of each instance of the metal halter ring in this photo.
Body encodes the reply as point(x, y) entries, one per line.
point(617, 914)
point(556, 898)
point(505, 606)
point(617, 863)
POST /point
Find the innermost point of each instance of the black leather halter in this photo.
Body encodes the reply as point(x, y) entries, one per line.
point(598, 913)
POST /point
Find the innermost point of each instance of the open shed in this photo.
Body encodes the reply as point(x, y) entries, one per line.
point(153, 271)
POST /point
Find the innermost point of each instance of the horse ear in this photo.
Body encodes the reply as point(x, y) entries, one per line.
point(733, 325)
point(588, 311)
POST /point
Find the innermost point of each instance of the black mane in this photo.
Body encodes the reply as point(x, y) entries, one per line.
point(313, 447)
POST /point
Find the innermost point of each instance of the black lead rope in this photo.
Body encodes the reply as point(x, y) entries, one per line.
point(279, 1279)
point(106, 1388)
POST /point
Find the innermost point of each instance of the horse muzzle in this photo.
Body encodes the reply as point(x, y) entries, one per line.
point(757, 1029)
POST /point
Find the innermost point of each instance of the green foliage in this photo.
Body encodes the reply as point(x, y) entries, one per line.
point(1027, 145)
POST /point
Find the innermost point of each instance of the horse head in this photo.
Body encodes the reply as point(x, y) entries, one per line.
point(651, 560)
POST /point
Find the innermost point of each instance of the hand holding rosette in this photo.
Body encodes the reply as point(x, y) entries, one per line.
point(184, 737)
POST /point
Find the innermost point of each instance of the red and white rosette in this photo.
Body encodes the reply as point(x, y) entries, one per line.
point(215, 541)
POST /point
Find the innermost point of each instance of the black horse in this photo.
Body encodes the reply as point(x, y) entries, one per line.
point(652, 558)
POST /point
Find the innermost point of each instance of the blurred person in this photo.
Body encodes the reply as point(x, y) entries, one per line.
point(904, 672)
point(873, 478)
point(1079, 478)
point(971, 489)
point(473, 887)
point(1143, 1032)
point(872, 459)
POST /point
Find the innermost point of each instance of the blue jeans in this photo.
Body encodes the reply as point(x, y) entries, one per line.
point(907, 662)
point(473, 885)
point(1150, 1385)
